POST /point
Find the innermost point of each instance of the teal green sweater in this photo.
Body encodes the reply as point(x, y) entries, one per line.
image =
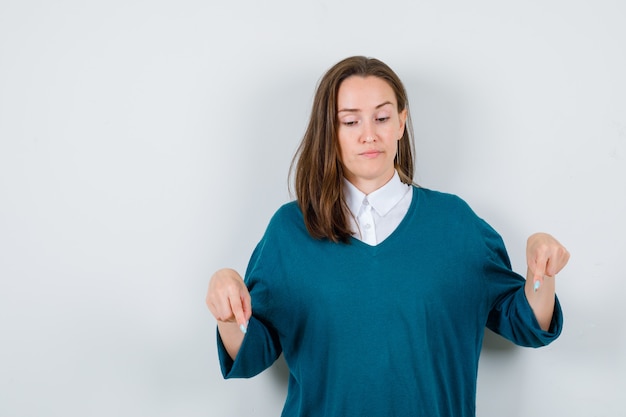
point(389, 330)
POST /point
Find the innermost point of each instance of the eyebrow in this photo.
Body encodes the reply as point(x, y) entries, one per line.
point(356, 110)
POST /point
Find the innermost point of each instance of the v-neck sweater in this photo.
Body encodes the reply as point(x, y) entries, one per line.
point(394, 329)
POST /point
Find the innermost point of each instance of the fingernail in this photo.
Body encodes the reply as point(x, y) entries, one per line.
point(537, 284)
point(243, 329)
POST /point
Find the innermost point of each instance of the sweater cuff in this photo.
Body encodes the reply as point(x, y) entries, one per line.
point(556, 324)
point(257, 352)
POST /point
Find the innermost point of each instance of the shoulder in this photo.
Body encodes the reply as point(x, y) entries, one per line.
point(282, 229)
point(440, 202)
point(449, 212)
point(288, 212)
point(287, 219)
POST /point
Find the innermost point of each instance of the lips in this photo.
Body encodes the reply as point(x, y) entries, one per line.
point(371, 153)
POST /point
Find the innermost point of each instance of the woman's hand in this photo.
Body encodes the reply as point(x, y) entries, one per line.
point(545, 257)
point(229, 301)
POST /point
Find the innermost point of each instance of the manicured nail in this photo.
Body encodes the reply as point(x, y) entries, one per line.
point(243, 329)
point(537, 284)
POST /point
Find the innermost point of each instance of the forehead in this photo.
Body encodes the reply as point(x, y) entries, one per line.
point(363, 91)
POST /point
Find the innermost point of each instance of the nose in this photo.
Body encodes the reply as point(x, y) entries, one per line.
point(369, 135)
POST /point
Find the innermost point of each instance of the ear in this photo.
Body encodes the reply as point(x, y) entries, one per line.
point(402, 116)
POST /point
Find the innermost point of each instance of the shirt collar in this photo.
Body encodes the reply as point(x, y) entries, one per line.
point(381, 200)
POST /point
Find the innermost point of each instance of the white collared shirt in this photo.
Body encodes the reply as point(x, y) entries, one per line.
point(380, 212)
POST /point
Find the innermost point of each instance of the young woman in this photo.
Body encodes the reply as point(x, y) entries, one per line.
point(377, 291)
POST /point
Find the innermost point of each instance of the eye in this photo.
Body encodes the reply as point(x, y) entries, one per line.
point(382, 119)
point(350, 122)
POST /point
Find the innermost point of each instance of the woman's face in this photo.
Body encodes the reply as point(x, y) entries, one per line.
point(369, 130)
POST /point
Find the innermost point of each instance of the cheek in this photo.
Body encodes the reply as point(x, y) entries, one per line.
point(389, 133)
point(342, 145)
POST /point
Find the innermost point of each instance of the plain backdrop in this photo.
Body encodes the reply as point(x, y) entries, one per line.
point(145, 144)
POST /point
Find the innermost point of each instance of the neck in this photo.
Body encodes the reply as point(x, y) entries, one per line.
point(369, 186)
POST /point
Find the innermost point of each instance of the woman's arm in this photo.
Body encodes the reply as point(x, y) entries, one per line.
point(545, 257)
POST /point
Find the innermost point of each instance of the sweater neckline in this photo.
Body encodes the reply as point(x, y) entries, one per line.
point(399, 230)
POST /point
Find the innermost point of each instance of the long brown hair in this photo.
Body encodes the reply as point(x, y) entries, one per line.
point(318, 168)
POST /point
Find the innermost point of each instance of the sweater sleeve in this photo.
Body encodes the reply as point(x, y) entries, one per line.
point(510, 314)
point(259, 350)
point(261, 345)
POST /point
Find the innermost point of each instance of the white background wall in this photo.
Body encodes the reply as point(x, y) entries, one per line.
point(145, 144)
